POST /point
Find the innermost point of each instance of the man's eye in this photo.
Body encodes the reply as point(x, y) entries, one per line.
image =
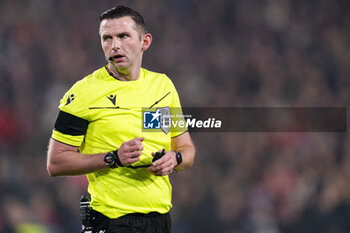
point(123, 35)
point(105, 38)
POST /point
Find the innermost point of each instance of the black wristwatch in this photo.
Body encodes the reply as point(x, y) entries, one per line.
point(178, 157)
point(112, 159)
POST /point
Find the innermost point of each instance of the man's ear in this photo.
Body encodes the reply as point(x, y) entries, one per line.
point(147, 40)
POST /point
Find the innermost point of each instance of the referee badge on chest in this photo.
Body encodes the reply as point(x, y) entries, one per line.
point(165, 119)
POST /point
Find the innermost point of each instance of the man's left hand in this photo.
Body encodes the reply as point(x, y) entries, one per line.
point(165, 165)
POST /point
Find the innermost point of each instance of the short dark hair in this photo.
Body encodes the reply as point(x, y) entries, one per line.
point(121, 11)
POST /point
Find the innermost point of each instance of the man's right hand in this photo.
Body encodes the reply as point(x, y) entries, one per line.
point(130, 151)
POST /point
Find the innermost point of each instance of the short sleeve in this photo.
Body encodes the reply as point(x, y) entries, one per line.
point(71, 122)
point(178, 126)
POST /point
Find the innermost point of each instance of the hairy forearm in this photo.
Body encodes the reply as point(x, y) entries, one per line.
point(74, 163)
point(66, 162)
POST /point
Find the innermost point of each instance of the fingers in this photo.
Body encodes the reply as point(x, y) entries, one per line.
point(129, 161)
point(161, 172)
point(154, 153)
point(134, 148)
point(136, 140)
point(130, 151)
point(165, 165)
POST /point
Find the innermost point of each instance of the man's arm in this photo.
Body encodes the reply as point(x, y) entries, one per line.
point(167, 163)
point(65, 160)
point(184, 145)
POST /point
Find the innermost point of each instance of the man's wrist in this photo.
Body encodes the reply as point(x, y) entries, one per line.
point(117, 160)
point(178, 157)
point(112, 159)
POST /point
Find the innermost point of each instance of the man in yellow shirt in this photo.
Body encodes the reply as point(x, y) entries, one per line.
point(107, 129)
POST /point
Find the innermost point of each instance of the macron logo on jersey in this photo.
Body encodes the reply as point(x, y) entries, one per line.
point(70, 99)
point(112, 98)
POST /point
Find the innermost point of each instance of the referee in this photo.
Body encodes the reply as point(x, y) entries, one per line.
point(100, 132)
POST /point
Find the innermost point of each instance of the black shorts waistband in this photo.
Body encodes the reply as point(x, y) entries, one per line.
point(152, 214)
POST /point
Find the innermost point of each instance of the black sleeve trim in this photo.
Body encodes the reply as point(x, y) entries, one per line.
point(67, 123)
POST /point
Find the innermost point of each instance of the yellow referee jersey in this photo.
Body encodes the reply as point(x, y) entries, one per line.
point(110, 112)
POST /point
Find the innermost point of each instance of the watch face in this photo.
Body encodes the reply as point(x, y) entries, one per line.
point(109, 159)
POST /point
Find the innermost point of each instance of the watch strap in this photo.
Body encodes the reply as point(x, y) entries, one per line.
point(178, 156)
point(117, 160)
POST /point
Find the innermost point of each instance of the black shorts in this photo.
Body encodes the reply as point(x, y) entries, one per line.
point(132, 223)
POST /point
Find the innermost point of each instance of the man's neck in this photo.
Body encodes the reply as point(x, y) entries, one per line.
point(123, 75)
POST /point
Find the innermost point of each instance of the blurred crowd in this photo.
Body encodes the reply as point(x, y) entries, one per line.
point(253, 53)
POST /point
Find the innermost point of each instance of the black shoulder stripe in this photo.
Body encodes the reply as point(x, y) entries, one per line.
point(67, 123)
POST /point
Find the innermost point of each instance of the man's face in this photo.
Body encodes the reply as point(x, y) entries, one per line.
point(122, 41)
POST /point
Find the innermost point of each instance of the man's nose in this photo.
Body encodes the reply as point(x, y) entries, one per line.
point(116, 44)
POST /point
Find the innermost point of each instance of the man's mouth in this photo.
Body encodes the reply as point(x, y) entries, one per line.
point(115, 58)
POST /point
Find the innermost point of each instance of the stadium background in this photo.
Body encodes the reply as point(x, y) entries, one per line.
point(218, 53)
